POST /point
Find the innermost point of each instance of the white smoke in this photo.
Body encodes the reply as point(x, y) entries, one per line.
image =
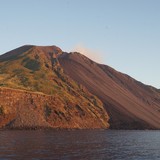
point(93, 55)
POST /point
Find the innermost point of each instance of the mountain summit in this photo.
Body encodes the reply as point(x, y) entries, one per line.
point(42, 86)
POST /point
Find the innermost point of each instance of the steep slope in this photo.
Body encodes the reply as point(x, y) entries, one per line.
point(129, 103)
point(35, 92)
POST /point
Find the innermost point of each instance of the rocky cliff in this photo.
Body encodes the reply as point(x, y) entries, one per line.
point(23, 109)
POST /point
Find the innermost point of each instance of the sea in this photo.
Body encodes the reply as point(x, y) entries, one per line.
point(79, 145)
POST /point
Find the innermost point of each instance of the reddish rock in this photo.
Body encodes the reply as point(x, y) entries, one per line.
point(24, 109)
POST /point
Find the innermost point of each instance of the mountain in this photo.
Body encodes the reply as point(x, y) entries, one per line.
point(36, 93)
point(44, 87)
point(129, 103)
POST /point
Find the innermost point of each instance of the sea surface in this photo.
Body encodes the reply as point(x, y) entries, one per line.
point(79, 145)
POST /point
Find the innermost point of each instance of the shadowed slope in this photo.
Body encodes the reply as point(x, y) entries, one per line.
point(129, 103)
point(11, 55)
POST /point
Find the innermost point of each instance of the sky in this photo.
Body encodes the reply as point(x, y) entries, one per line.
point(124, 34)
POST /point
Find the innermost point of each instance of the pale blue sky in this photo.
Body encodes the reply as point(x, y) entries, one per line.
point(124, 33)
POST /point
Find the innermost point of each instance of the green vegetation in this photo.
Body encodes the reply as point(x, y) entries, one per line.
point(32, 64)
point(4, 110)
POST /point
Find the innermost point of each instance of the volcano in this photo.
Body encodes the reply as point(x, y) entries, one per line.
point(42, 86)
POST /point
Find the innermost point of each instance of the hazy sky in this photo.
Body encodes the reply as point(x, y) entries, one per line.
point(124, 34)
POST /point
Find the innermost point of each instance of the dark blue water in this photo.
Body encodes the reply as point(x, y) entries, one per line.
point(80, 144)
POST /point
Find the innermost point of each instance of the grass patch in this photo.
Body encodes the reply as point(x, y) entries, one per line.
point(31, 64)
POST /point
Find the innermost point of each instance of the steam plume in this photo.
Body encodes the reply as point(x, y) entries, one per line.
point(93, 55)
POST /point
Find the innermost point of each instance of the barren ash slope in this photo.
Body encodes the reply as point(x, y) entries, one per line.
point(129, 103)
point(35, 93)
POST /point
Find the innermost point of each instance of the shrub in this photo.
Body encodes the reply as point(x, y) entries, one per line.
point(47, 110)
point(32, 64)
point(1, 110)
